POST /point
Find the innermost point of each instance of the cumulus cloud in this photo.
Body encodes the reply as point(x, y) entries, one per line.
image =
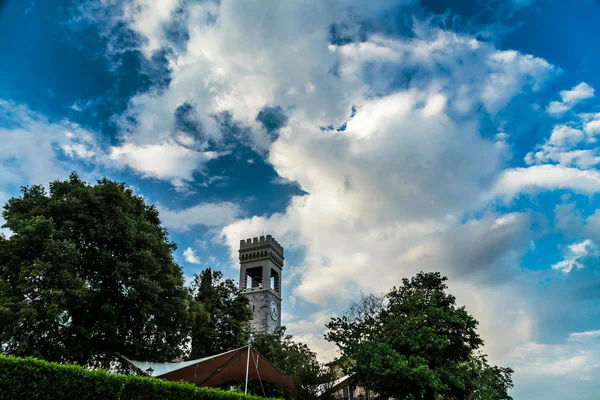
point(232, 63)
point(33, 148)
point(190, 256)
point(38, 151)
point(578, 93)
point(591, 123)
point(570, 98)
point(207, 214)
point(235, 64)
point(501, 74)
point(575, 253)
point(569, 153)
point(546, 177)
point(566, 146)
point(168, 161)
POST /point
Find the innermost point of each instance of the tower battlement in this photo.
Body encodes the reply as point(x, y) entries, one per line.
point(259, 242)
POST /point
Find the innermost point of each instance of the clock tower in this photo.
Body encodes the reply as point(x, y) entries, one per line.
point(261, 261)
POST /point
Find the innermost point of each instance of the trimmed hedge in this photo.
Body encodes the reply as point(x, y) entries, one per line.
point(30, 378)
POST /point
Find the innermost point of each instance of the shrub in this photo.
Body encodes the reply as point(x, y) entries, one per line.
point(27, 378)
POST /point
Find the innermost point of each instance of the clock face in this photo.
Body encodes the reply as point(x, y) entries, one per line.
point(274, 310)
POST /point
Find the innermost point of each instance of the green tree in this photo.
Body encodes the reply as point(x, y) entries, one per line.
point(222, 315)
point(296, 361)
point(88, 272)
point(415, 343)
point(493, 383)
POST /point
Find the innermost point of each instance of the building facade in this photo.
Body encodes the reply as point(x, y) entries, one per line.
point(261, 262)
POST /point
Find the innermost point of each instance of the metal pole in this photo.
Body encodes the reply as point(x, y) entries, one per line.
point(247, 365)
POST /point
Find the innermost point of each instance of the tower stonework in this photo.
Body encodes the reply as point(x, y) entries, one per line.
point(261, 261)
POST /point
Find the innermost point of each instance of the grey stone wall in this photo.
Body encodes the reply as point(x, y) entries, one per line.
point(260, 301)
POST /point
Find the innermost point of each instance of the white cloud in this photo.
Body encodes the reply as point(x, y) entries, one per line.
point(557, 108)
point(568, 147)
point(513, 72)
point(593, 127)
point(315, 323)
point(38, 151)
point(563, 135)
point(32, 146)
point(591, 123)
point(570, 98)
point(546, 177)
point(477, 250)
point(583, 159)
point(575, 253)
point(326, 351)
point(149, 18)
point(207, 214)
point(534, 357)
point(583, 91)
point(501, 74)
point(583, 336)
point(190, 256)
point(558, 371)
point(311, 331)
point(78, 150)
point(238, 64)
point(168, 161)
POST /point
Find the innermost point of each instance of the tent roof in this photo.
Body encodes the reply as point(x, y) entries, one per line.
point(334, 386)
point(164, 368)
point(219, 369)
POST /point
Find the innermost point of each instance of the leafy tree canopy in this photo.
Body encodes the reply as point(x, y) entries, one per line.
point(221, 315)
point(416, 343)
point(89, 272)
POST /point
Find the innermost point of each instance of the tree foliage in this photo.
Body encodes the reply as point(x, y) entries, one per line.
point(221, 315)
point(89, 272)
point(492, 382)
point(296, 361)
point(415, 343)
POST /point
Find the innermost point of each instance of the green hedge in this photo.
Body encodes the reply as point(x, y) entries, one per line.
point(30, 378)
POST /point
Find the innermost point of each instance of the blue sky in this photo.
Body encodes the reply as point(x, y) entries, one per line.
point(373, 139)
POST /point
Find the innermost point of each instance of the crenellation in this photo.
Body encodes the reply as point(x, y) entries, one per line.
point(262, 242)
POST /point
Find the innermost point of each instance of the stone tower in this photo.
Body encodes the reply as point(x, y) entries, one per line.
point(261, 261)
